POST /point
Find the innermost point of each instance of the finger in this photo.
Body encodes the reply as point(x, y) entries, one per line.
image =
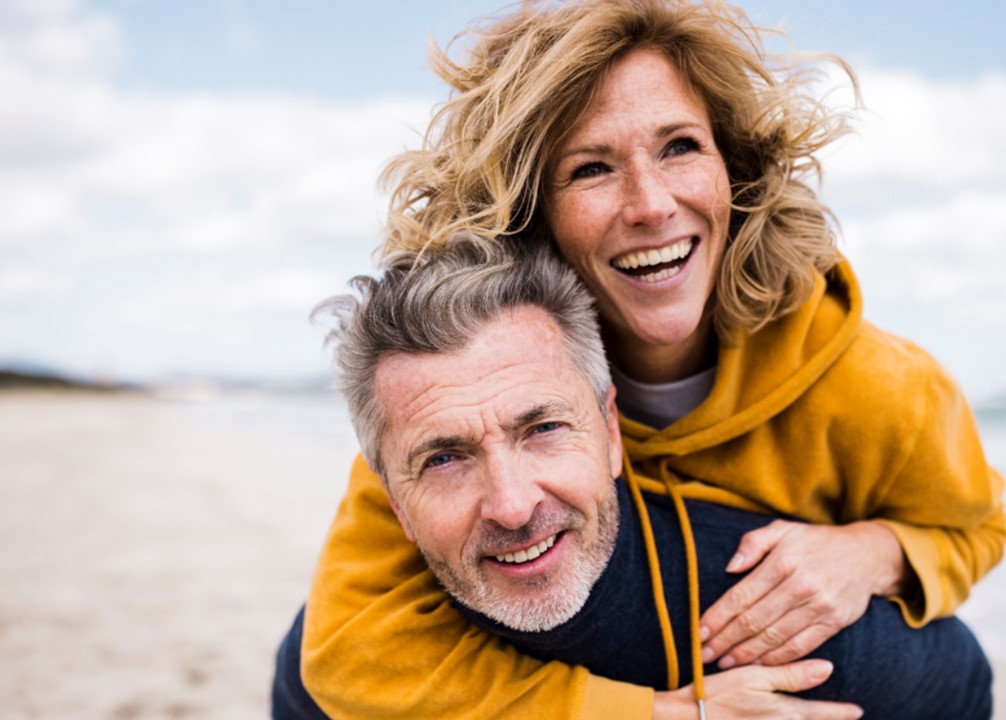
point(777, 645)
point(800, 645)
point(744, 610)
point(773, 635)
point(756, 544)
point(804, 675)
point(821, 710)
point(797, 676)
point(741, 597)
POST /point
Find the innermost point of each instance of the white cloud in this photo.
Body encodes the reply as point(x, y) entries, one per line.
point(952, 251)
point(154, 230)
point(57, 38)
point(922, 135)
point(921, 194)
point(20, 282)
point(169, 213)
point(14, 12)
point(922, 202)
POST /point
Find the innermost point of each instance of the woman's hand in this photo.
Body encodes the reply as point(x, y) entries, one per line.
point(753, 692)
point(808, 582)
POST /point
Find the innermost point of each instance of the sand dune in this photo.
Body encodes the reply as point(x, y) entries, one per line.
point(151, 561)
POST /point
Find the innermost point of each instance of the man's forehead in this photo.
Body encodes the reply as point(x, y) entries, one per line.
point(515, 367)
point(504, 391)
point(521, 338)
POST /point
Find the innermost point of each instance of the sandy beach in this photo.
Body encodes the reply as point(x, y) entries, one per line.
point(153, 554)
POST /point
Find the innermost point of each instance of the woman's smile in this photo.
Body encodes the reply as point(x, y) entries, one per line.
point(656, 264)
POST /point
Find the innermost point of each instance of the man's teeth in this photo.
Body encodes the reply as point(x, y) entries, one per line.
point(646, 258)
point(522, 556)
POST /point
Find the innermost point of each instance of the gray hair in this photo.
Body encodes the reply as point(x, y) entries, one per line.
point(436, 301)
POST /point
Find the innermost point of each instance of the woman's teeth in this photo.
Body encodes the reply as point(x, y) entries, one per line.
point(523, 556)
point(660, 274)
point(648, 258)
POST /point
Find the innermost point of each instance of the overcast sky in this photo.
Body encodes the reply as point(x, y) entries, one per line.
point(181, 180)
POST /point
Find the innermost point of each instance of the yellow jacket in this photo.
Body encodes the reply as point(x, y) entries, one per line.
point(818, 416)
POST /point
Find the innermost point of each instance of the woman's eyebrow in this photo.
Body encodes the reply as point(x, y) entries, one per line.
point(603, 148)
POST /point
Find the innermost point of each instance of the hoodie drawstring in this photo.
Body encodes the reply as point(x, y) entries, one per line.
point(656, 582)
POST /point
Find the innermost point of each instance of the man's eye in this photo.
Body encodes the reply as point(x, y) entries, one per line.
point(589, 170)
point(545, 427)
point(438, 460)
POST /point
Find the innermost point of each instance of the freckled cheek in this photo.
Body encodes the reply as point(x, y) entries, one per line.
point(576, 232)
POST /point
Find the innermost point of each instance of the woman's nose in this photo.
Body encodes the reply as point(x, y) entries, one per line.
point(510, 495)
point(647, 197)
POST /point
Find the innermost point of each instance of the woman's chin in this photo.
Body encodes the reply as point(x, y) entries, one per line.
point(671, 347)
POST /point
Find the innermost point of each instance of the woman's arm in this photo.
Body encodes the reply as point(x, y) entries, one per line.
point(936, 527)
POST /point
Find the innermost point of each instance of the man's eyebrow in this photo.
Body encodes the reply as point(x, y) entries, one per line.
point(550, 408)
point(537, 412)
point(439, 442)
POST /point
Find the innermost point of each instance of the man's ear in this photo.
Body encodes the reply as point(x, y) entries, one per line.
point(402, 520)
point(614, 435)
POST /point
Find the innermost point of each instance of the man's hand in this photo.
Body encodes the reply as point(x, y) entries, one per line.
point(752, 692)
point(808, 582)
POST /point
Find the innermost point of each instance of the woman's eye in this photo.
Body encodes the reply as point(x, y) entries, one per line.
point(589, 170)
point(681, 146)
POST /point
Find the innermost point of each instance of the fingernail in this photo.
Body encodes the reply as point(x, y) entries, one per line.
point(707, 654)
point(703, 633)
point(735, 563)
point(821, 670)
point(727, 663)
point(859, 712)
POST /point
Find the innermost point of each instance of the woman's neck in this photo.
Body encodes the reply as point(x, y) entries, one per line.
point(663, 363)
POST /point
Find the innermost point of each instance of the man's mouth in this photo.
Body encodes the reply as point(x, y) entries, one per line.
point(656, 264)
point(527, 555)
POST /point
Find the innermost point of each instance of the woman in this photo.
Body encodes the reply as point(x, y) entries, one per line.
point(651, 142)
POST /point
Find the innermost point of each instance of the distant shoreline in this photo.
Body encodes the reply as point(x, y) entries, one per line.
point(13, 380)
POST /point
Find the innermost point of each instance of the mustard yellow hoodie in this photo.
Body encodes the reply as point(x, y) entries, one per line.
point(819, 416)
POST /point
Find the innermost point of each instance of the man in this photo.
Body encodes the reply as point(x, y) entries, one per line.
point(480, 393)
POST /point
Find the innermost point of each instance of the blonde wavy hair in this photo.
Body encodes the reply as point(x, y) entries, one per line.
point(530, 74)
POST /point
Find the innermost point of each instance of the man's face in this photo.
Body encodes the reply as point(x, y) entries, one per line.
point(499, 464)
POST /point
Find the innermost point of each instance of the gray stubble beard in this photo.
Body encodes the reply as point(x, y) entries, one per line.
point(529, 614)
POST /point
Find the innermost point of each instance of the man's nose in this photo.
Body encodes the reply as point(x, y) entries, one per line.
point(647, 196)
point(510, 495)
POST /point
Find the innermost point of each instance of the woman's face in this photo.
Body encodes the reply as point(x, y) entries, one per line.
point(638, 204)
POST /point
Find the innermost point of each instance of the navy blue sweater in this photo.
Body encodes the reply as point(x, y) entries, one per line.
point(938, 672)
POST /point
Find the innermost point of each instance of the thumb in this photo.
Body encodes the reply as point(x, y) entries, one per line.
point(756, 544)
point(798, 676)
